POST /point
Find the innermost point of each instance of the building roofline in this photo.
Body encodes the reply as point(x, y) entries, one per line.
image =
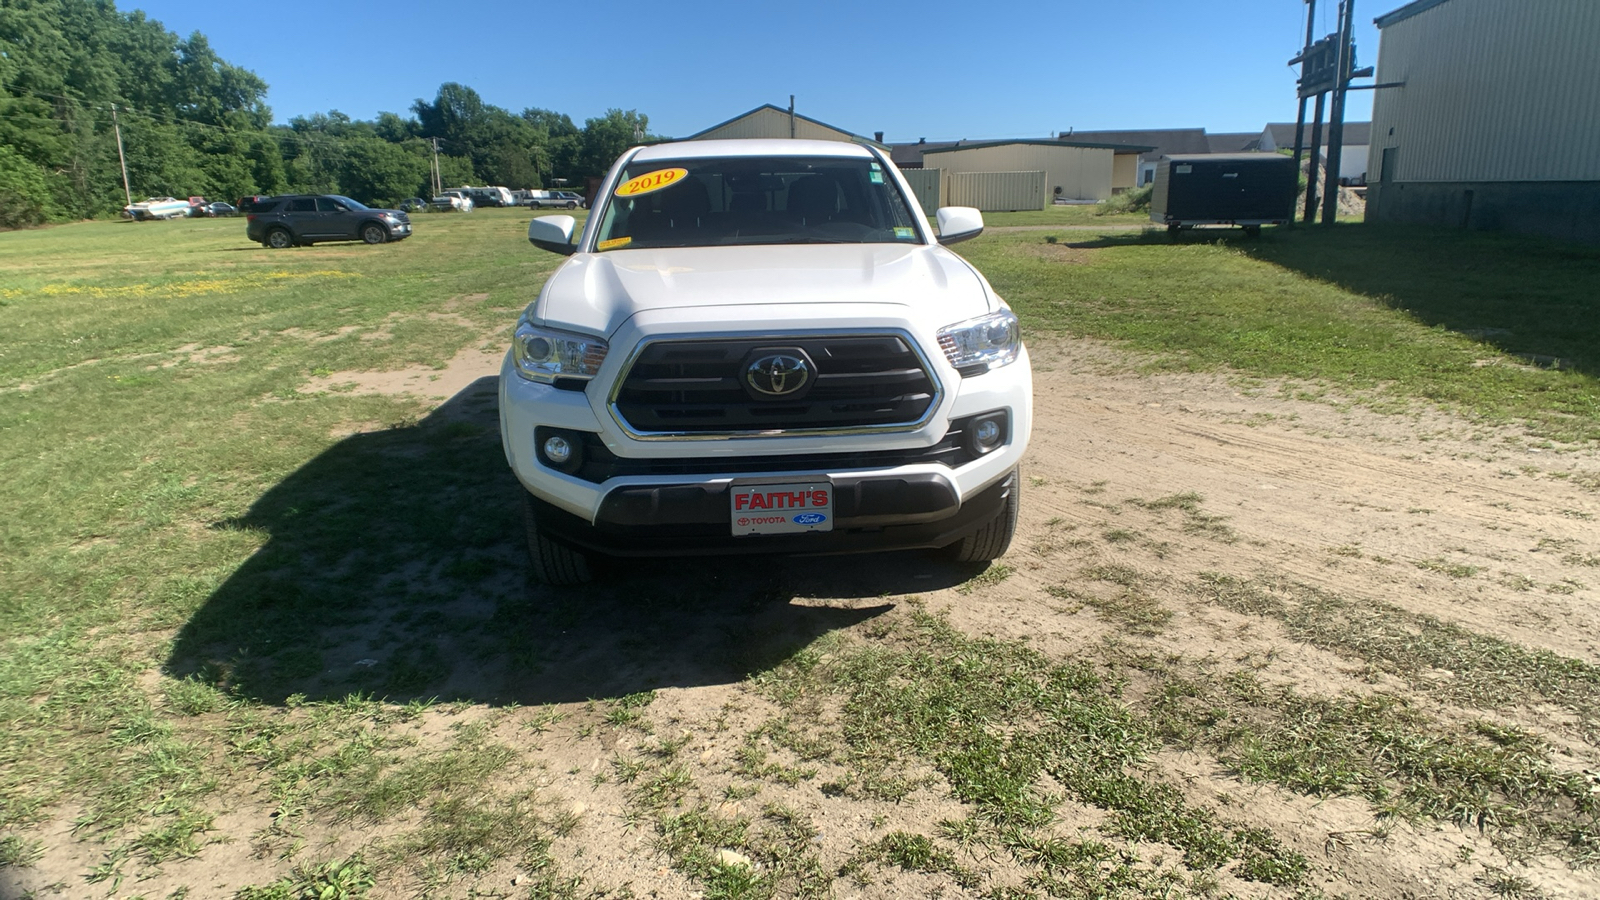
point(1406, 12)
point(1048, 142)
point(863, 139)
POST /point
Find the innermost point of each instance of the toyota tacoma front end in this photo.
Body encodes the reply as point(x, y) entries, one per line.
point(761, 347)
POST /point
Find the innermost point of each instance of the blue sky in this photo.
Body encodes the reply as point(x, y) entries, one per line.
point(1002, 68)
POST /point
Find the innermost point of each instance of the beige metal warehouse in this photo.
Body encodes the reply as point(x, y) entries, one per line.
point(1496, 119)
point(776, 122)
point(1073, 170)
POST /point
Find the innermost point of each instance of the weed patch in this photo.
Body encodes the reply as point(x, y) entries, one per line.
point(1478, 670)
point(1409, 766)
point(995, 719)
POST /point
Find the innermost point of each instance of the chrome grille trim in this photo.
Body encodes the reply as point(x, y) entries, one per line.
point(935, 401)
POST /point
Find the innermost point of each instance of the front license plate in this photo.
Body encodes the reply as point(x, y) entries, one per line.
point(782, 508)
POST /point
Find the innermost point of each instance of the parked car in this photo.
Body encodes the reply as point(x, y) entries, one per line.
point(412, 204)
point(296, 219)
point(219, 209)
point(762, 346)
point(488, 196)
point(451, 201)
point(542, 199)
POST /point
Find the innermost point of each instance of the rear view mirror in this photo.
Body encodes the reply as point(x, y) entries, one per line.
point(959, 223)
point(553, 233)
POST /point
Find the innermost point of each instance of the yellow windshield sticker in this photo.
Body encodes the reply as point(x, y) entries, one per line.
point(651, 181)
point(614, 243)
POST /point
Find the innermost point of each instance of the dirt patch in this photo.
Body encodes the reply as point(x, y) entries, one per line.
point(440, 383)
point(1061, 253)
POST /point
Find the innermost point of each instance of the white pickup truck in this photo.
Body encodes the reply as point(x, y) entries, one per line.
point(760, 346)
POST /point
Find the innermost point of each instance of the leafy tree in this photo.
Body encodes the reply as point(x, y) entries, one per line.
point(26, 195)
point(376, 171)
point(605, 138)
point(455, 171)
point(192, 123)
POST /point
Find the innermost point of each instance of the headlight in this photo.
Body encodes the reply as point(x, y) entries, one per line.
point(978, 345)
point(543, 354)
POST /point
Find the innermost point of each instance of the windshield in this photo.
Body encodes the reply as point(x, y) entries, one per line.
point(348, 202)
point(755, 200)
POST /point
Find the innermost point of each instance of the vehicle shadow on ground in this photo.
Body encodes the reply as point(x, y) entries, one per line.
point(393, 565)
point(1530, 298)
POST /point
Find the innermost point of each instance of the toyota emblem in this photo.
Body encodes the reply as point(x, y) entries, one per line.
point(778, 375)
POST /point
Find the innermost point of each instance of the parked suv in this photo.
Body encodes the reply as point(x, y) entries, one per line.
point(760, 346)
point(296, 219)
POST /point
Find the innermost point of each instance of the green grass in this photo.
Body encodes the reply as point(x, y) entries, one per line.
point(275, 534)
point(1497, 327)
point(1075, 215)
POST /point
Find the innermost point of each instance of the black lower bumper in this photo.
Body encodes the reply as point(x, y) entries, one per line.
point(871, 515)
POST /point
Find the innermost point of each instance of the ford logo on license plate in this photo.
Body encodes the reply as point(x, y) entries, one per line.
point(810, 519)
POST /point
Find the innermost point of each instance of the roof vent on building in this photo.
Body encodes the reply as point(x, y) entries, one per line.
point(877, 136)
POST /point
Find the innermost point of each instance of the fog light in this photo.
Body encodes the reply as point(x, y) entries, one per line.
point(987, 435)
point(557, 449)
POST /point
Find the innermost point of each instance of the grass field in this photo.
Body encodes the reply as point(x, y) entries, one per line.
point(1496, 327)
point(216, 585)
point(1076, 215)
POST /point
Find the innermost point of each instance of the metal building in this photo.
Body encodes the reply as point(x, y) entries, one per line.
point(1494, 119)
point(776, 122)
point(1073, 170)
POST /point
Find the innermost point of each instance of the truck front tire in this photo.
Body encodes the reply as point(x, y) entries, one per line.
point(555, 564)
point(993, 539)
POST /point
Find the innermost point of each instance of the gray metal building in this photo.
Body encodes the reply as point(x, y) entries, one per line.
point(1496, 122)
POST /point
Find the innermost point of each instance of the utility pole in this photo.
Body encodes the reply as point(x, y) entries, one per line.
point(438, 184)
point(121, 158)
point(791, 116)
point(1311, 170)
point(1330, 192)
point(1300, 120)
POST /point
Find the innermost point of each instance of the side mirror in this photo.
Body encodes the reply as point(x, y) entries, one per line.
point(553, 233)
point(959, 223)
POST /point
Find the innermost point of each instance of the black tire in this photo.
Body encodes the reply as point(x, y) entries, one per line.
point(1252, 231)
point(571, 205)
point(553, 563)
point(993, 539)
point(373, 233)
point(280, 239)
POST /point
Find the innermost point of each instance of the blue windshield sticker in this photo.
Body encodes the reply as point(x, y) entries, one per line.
point(904, 234)
point(877, 177)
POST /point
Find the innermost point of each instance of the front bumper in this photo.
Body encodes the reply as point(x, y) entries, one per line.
point(893, 490)
point(874, 512)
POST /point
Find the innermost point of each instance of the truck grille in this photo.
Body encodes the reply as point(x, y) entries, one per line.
point(697, 387)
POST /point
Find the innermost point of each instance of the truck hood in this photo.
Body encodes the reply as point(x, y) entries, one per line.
point(597, 292)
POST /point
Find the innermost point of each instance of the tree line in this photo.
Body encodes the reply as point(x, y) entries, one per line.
point(73, 73)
